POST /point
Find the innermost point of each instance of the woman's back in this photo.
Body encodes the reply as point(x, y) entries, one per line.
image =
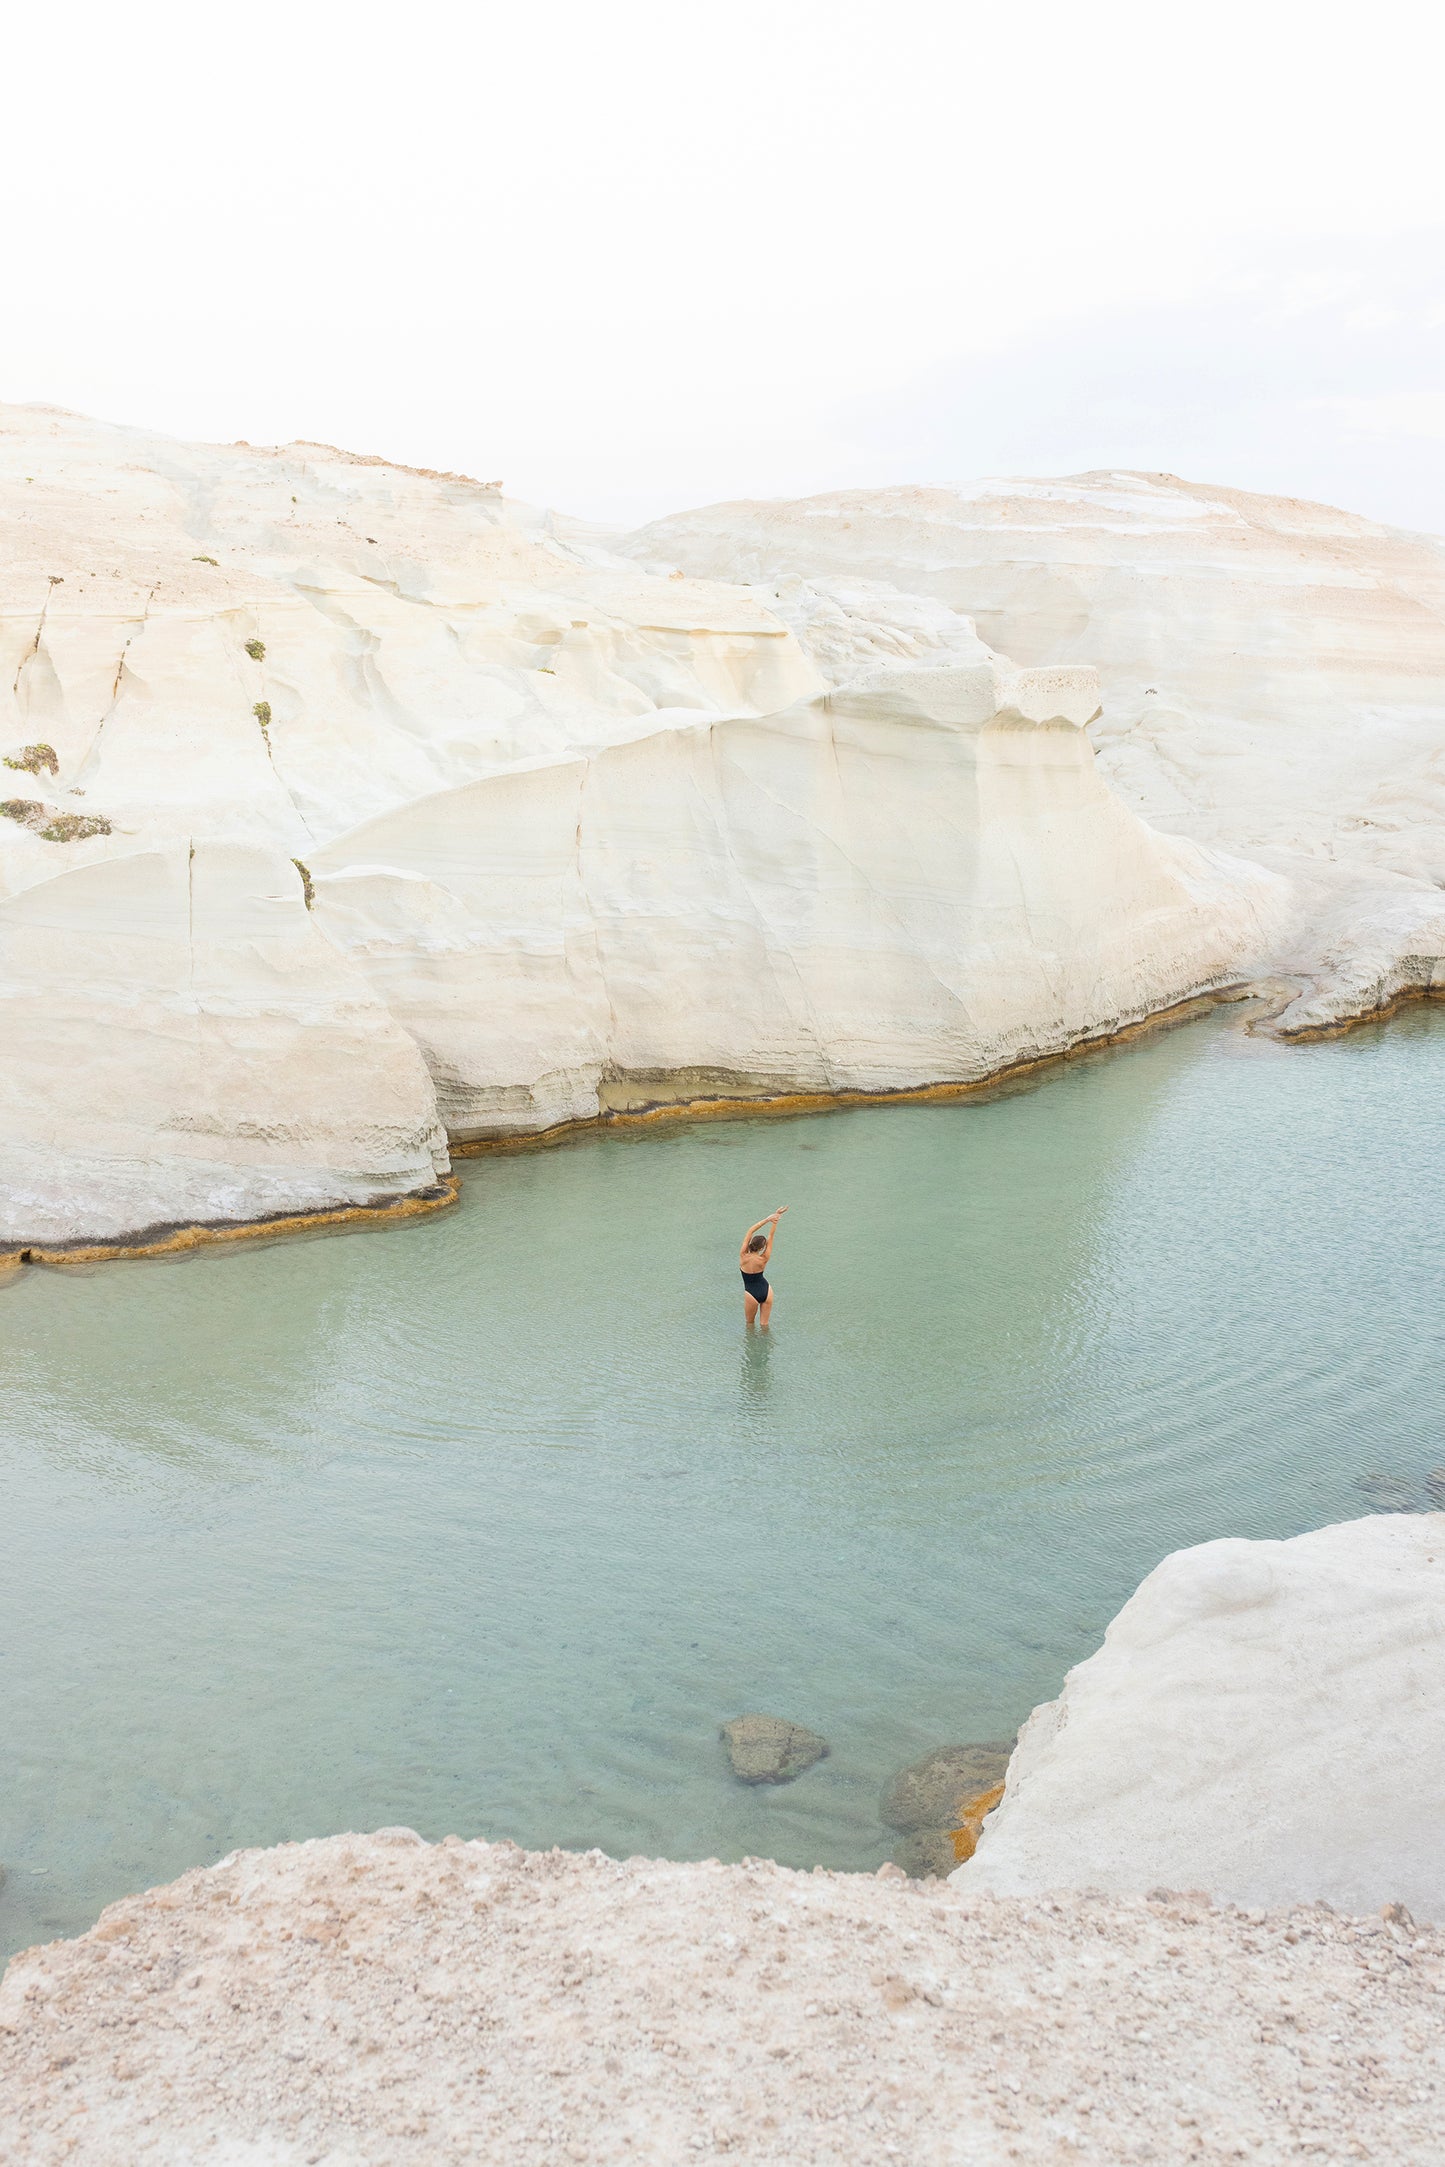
point(756, 1248)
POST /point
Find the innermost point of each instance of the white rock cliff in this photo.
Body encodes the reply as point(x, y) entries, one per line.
point(1273, 671)
point(181, 1045)
point(917, 877)
point(1265, 1720)
point(578, 837)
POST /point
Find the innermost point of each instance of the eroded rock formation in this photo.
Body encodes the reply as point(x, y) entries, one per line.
point(1273, 671)
point(1265, 1720)
point(181, 1044)
point(916, 878)
point(360, 807)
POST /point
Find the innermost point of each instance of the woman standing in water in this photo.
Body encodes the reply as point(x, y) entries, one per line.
point(753, 1256)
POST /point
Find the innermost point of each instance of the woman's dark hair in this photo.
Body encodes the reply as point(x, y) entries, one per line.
point(757, 1241)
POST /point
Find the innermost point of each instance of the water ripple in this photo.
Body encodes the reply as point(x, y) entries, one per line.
point(489, 1521)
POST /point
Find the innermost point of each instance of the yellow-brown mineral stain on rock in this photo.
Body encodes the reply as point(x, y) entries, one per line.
point(965, 1837)
point(939, 1791)
point(753, 1100)
point(940, 1802)
point(178, 1239)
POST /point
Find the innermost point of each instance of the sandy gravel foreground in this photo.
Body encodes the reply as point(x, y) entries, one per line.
point(380, 2000)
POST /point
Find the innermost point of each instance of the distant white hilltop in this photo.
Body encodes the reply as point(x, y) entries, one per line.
point(355, 811)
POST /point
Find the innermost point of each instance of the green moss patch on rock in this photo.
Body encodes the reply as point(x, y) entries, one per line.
point(34, 760)
point(53, 827)
point(74, 828)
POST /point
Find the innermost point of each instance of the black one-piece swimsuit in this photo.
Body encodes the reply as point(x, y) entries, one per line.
point(756, 1285)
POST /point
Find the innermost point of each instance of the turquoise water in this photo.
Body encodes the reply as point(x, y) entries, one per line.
point(486, 1522)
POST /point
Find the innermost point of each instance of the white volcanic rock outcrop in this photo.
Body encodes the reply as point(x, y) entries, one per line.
point(213, 662)
point(181, 1045)
point(1273, 671)
point(584, 836)
point(1265, 1720)
point(915, 878)
point(375, 2001)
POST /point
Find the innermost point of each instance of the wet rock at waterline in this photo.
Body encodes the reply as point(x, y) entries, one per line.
point(765, 1749)
point(936, 1792)
point(929, 1854)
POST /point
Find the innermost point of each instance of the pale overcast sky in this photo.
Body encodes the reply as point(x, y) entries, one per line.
point(643, 255)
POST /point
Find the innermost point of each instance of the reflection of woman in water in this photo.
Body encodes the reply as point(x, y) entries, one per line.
point(753, 1256)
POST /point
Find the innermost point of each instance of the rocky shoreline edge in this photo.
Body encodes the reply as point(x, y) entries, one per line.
point(360, 2000)
point(174, 1240)
point(1070, 1991)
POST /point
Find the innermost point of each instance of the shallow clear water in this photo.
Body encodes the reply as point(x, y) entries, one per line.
point(486, 1522)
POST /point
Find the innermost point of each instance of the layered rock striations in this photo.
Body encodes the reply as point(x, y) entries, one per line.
point(351, 807)
point(916, 878)
point(1273, 671)
point(213, 663)
point(1265, 1720)
point(182, 1045)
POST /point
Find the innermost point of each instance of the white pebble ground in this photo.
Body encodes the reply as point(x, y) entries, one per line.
point(375, 1999)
